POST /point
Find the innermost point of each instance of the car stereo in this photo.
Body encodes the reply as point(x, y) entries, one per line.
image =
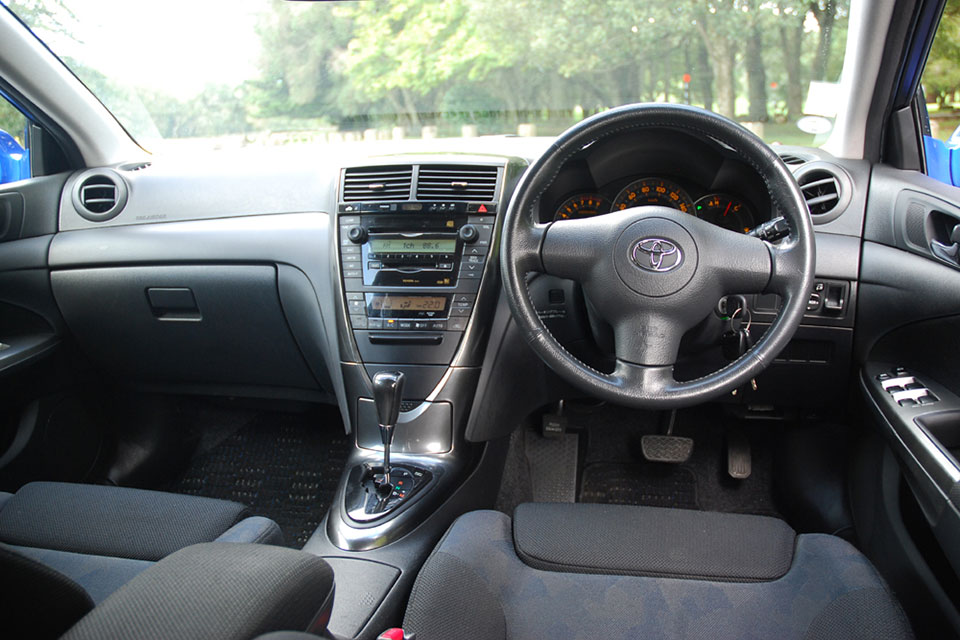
point(413, 266)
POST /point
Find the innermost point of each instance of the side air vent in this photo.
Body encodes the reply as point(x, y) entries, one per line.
point(373, 184)
point(99, 195)
point(457, 182)
point(821, 190)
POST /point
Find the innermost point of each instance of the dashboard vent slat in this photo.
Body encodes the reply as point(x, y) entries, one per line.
point(377, 184)
point(457, 182)
point(821, 190)
point(790, 159)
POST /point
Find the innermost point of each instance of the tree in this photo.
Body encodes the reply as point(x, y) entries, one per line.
point(941, 76)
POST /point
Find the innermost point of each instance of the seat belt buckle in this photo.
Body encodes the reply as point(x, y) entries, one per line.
point(396, 634)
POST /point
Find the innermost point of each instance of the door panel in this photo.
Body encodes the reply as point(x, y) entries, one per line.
point(907, 344)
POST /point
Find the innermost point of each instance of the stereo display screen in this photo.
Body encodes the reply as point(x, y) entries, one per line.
point(412, 245)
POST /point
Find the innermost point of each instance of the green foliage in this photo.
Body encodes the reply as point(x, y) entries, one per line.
point(941, 77)
point(494, 63)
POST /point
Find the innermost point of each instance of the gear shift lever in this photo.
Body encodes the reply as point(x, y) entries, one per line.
point(387, 389)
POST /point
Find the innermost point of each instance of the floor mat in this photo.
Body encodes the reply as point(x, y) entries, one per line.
point(615, 436)
point(648, 484)
point(553, 466)
point(283, 466)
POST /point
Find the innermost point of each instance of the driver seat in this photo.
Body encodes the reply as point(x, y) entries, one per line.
point(613, 571)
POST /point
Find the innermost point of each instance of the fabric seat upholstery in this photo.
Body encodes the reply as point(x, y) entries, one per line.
point(101, 537)
point(476, 583)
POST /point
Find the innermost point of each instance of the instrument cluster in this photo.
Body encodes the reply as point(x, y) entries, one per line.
point(726, 210)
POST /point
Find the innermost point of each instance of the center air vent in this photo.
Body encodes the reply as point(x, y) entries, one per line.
point(99, 195)
point(377, 184)
point(821, 190)
point(457, 182)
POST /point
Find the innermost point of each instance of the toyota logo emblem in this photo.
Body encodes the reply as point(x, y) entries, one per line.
point(656, 254)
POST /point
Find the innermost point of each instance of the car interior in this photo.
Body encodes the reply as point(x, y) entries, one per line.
point(650, 375)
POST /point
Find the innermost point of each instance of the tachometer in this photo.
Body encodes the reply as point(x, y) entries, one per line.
point(725, 211)
point(582, 205)
point(653, 191)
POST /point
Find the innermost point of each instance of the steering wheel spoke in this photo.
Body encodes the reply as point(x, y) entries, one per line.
point(789, 262)
point(648, 338)
point(572, 248)
point(740, 263)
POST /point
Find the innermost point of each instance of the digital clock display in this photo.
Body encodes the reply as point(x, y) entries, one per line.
point(412, 245)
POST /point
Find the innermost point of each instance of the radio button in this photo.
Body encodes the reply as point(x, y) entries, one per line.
point(350, 249)
point(357, 306)
point(358, 322)
point(352, 257)
point(349, 221)
point(354, 295)
point(353, 284)
point(352, 273)
point(475, 250)
point(373, 265)
point(445, 266)
point(470, 275)
point(480, 219)
point(474, 259)
point(470, 233)
point(471, 267)
point(357, 234)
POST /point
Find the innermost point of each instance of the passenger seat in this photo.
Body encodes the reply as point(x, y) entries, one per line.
point(100, 537)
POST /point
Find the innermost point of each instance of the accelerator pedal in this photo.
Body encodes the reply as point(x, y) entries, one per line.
point(739, 464)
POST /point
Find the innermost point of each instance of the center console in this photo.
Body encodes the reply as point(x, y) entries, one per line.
point(416, 247)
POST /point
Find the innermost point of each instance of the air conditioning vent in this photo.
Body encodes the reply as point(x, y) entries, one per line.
point(792, 159)
point(457, 182)
point(821, 190)
point(99, 194)
point(377, 184)
point(136, 166)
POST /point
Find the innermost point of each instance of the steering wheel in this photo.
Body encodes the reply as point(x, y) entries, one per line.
point(653, 272)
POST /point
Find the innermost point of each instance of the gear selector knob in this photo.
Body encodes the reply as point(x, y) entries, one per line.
point(387, 390)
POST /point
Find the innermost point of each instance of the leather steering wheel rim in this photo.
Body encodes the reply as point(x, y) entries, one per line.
point(597, 252)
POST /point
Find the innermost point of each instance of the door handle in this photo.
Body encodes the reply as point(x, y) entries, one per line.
point(948, 252)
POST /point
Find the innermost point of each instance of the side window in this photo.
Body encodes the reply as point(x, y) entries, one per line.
point(14, 151)
point(941, 91)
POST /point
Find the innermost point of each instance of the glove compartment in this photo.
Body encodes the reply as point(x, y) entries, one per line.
point(218, 327)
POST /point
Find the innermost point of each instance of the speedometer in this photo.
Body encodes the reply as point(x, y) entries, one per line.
point(653, 191)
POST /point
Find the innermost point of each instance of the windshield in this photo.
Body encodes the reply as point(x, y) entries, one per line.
point(240, 73)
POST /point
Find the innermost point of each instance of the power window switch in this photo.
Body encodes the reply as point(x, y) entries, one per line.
point(908, 402)
point(927, 399)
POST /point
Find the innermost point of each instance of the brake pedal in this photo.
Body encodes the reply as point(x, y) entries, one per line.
point(672, 449)
point(739, 464)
